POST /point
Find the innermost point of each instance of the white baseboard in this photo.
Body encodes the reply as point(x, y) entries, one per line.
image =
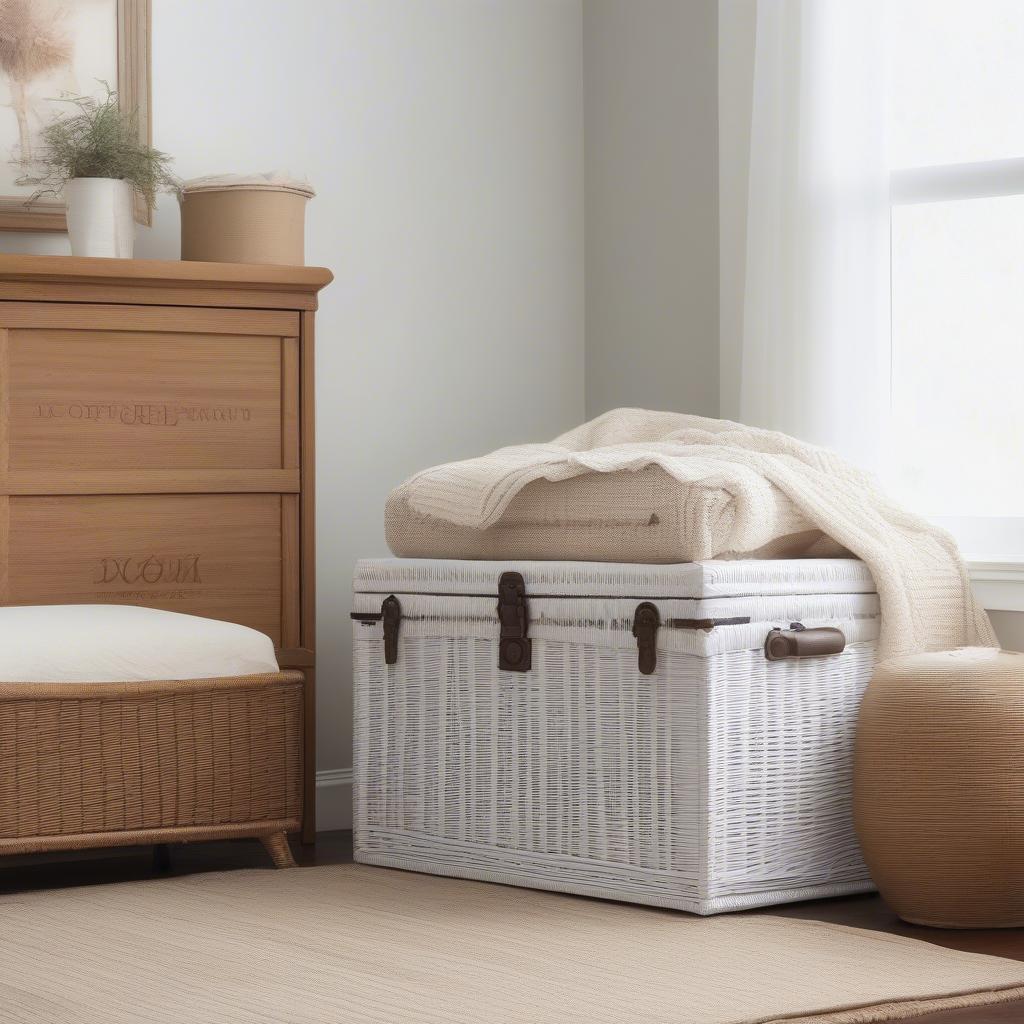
point(333, 799)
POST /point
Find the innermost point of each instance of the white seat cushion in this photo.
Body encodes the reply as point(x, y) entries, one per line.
point(87, 643)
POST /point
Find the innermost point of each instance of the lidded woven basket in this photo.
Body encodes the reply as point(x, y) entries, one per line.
point(676, 735)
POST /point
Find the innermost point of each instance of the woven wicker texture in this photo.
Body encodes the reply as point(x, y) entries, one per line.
point(721, 781)
point(103, 763)
point(726, 579)
point(940, 787)
point(350, 945)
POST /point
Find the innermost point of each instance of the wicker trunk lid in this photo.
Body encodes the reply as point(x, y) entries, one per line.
point(662, 759)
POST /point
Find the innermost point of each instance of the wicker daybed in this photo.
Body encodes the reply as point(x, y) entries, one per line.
point(94, 764)
point(111, 764)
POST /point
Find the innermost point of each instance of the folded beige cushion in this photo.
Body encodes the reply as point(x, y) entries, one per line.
point(641, 516)
point(705, 489)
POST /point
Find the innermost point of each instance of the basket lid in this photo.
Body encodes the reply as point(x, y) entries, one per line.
point(724, 578)
point(271, 181)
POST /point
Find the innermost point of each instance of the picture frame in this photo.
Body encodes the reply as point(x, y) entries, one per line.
point(134, 89)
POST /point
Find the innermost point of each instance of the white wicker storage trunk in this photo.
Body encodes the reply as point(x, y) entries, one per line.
point(652, 756)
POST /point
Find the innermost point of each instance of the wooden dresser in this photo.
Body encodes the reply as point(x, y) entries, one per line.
point(156, 444)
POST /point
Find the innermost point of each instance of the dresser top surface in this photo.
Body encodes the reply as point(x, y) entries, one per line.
point(169, 273)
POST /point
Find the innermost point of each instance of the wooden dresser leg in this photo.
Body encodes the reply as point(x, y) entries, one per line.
point(280, 852)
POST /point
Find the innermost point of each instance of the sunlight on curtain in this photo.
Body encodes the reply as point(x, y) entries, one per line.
point(958, 357)
point(815, 327)
point(956, 81)
point(957, 151)
point(871, 269)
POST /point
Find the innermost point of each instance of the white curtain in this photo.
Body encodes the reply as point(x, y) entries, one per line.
point(813, 340)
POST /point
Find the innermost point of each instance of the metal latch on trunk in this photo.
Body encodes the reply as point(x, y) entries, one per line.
point(646, 622)
point(515, 651)
point(390, 617)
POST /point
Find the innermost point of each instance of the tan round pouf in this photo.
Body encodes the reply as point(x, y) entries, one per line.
point(939, 787)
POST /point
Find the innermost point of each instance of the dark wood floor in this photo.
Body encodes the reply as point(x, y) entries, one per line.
point(45, 871)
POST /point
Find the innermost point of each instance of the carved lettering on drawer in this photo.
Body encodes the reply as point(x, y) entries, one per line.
point(152, 569)
point(222, 556)
point(88, 400)
point(145, 414)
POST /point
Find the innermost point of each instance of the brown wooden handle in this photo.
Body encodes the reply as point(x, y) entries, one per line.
point(799, 642)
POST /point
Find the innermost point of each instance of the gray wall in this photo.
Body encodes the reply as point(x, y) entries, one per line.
point(651, 140)
point(1009, 627)
point(737, 21)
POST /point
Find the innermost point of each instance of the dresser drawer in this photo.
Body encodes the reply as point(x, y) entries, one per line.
point(104, 398)
point(225, 556)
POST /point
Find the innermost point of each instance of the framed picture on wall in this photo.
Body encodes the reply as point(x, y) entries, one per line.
point(55, 48)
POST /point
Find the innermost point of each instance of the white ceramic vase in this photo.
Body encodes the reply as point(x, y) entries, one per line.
point(101, 217)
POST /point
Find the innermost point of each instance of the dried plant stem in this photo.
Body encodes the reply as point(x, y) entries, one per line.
point(99, 140)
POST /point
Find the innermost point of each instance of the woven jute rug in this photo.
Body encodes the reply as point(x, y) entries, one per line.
point(333, 945)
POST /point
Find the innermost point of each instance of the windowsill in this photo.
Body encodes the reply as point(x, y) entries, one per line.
point(998, 583)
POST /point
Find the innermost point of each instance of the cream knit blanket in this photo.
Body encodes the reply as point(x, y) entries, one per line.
point(925, 593)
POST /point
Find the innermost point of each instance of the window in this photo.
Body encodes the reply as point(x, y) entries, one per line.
point(956, 147)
